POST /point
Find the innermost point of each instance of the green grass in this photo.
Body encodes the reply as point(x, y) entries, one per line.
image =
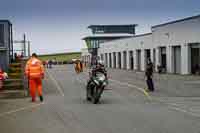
point(61, 56)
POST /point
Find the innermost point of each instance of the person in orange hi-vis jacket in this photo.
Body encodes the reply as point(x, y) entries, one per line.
point(77, 66)
point(35, 73)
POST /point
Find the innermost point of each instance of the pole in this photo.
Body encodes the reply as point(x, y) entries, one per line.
point(24, 45)
point(11, 34)
point(29, 49)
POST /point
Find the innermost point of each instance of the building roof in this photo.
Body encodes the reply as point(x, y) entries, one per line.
point(104, 37)
point(145, 34)
point(125, 25)
point(176, 21)
point(113, 29)
point(6, 21)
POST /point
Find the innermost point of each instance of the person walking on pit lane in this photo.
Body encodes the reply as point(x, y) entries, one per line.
point(35, 73)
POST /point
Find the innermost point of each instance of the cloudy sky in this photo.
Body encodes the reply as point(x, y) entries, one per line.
point(55, 26)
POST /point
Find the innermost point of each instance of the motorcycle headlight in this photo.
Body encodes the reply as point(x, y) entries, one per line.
point(102, 78)
point(104, 83)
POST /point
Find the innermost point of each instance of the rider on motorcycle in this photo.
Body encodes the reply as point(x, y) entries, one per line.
point(99, 68)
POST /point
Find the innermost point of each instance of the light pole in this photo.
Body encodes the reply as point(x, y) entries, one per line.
point(24, 41)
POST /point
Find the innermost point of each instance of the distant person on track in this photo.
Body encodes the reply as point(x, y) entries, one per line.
point(78, 66)
point(50, 62)
point(3, 76)
point(149, 75)
point(81, 66)
point(44, 63)
point(35, 72)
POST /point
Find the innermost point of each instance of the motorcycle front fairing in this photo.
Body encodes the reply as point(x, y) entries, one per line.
point(100, 79)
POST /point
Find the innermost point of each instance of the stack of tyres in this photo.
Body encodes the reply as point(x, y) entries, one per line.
point(13, 86)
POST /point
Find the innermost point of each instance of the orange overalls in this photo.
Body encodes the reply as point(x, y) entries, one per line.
point(78, 67)
point(35, 72)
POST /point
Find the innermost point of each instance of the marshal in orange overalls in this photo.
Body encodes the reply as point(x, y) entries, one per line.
point(78, 66)
point(35, 73)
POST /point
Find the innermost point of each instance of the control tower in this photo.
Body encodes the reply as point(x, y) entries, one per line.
point(104, 33)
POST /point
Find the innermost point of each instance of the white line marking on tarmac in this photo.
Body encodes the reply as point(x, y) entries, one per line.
point(20, 109)
point(133, 86)
point(170, 105)
point(56, 84)
point(184, 111)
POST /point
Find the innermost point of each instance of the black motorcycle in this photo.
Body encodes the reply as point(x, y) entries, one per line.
point(95, 87)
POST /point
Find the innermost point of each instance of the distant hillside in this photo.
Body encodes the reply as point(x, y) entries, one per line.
point(61, 56)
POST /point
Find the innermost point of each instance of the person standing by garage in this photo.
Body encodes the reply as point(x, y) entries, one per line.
point(149, 75)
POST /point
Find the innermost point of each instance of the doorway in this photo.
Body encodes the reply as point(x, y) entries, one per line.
point(110, 60)
point(106, 59)
point(114, 60)
point(138, 56)
point(119, 60)
point(163, 58)
point(125, 60)
point(195, 58)
point(177, 59)
point(154, 58)
point(131, 61)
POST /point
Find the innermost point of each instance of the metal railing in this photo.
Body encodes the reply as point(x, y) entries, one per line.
point(24, 78)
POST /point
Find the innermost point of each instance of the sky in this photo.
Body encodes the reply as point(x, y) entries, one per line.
point(55, 26)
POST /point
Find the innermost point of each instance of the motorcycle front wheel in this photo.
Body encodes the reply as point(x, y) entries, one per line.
point(96, 95)
point(88, 93)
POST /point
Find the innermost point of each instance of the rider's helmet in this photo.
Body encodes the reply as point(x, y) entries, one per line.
point(100, 63)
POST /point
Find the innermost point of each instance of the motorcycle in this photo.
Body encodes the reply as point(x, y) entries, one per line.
point(95, 87)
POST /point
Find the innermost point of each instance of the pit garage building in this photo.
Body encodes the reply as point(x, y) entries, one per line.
point(175, 46)
point(6, 43)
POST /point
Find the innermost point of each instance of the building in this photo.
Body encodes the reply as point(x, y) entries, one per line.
point(6, 43)
point(93, 42)
point(85, 55)
point(120, 53)
point(175, 46)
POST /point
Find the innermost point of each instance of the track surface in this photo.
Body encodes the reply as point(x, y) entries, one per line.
point(124, 109)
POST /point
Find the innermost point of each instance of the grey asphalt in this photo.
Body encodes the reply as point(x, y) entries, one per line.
point(123, 109)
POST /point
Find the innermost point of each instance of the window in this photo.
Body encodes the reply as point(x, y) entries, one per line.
point(1, 34)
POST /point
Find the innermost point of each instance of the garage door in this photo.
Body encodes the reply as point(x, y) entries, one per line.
point(177, 59)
